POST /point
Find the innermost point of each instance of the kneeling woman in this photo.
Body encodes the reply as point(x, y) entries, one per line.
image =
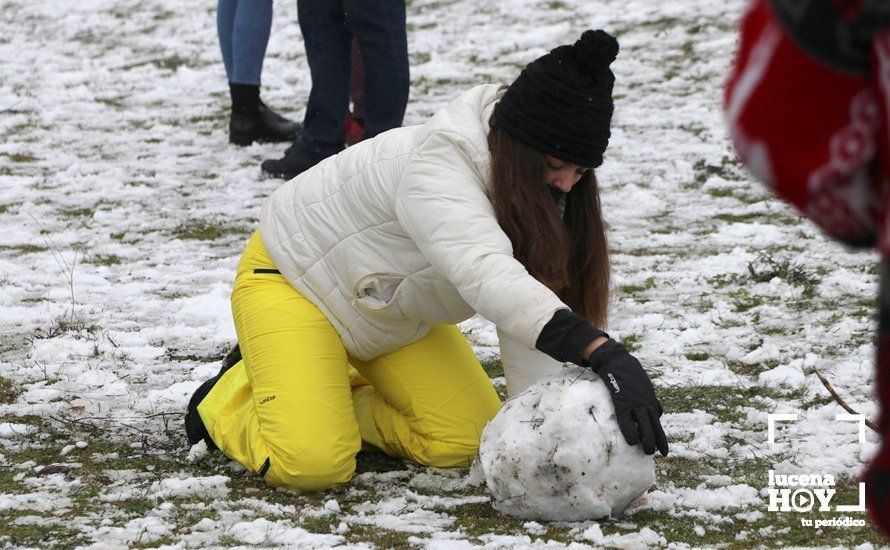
point(346, 298)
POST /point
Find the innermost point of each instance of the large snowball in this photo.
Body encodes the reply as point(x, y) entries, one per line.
point(555, 452)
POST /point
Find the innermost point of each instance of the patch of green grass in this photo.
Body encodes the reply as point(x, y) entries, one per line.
point(697, 356)
point(138, 125)
point(493, 367)
point(720, 192)
point(419, 58)
point(20, 157)
point(170, 63)
point(4, 208)
point(631, 289)
point(737, 218)
point(63, 324)
point(90, 480)
point(88, 36)
point(776, 330)
point(8, 391)
point(751, 369)
point(657, 25)
point(411, 27)
point(24, 248)
point(694, 128)
point(686, 471)
point(724, 402)
point(723, 280)
point(818, 401)
point(202, 230)
point(665, 230)
point(743, 301)
point(631, 342)
point(482, 518)
point(115, 102)
point(721, 401)
point(728, 168)
point(107, 260)
point(703, 305)
point(174, 354)
point(643, 252)
point(378, 536)
point(39, 534)
point(163, 15)
point(766, 267)
point(216, 116)
point(375, 461)
point(10, 344)
point(750, 198)
point(77, 212)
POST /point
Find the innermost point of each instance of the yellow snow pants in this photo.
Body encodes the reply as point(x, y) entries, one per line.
point(297, 408)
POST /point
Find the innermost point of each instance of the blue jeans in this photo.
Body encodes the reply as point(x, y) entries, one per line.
point(328, 28)
point(243, 27)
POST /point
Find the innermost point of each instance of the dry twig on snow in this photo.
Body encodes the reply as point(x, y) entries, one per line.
point(840, 401)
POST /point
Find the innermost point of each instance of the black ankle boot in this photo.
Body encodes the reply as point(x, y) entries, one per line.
point(298, 158)
point(195, 430)
point(252, 121)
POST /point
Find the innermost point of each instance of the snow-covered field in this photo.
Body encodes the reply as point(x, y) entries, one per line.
point(123, 210)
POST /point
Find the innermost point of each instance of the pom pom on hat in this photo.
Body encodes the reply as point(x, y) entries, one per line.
point(595, 50)
point(561, 103)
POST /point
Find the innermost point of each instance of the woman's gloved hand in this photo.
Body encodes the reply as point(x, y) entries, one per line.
point(636, 406)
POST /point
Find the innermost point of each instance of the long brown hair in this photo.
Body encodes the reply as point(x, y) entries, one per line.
point(568, 253)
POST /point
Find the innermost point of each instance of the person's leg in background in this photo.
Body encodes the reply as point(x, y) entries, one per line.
point(328, 51)
point(380, 30)
point(427, 401)
point(354, 126)
point(225, 26)
point(243, 27)
point(286, 410)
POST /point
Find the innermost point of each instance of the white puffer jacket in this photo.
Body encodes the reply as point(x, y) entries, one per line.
point(398, 233)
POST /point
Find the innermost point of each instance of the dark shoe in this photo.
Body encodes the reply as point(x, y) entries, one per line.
point(265, 125)
point(195, 430)
point(296, 160)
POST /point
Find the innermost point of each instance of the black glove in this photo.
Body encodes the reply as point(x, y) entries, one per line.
point(636, 405)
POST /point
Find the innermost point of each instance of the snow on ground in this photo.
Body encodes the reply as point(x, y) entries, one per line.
point(123, 211)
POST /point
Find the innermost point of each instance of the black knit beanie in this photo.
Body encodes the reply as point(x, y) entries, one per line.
point(561, 103)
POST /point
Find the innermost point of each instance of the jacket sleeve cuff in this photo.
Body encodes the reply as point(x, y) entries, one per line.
point(566, 335)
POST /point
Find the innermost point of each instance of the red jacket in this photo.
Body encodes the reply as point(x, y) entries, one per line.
point(816, 131)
